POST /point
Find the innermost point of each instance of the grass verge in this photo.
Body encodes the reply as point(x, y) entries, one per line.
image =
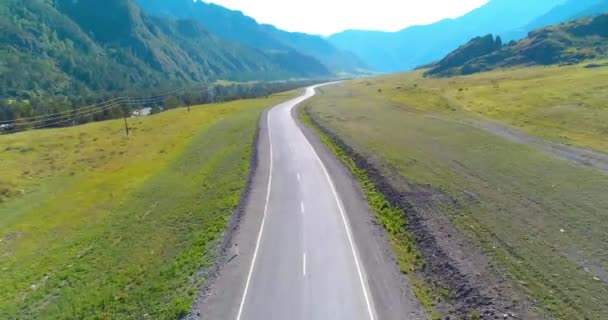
point(101, 226)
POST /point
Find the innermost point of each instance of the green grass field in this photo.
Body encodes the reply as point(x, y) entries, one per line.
point(95, 225)
point(564, 104)
point(541, 219)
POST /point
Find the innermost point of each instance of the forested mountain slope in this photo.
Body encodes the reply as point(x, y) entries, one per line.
point(65, 47)
point(235, 26)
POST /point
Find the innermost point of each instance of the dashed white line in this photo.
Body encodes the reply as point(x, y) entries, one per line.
point(370, 308)
point(299, 178)
point(309, 93)
point(302, 206)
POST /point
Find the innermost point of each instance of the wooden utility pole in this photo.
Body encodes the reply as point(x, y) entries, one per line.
point(125, 112)
point(126, 125)
point(187, 100)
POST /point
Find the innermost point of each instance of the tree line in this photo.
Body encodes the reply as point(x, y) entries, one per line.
point(61, 111)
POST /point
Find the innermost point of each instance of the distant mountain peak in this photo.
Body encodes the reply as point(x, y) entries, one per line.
point(418, 45)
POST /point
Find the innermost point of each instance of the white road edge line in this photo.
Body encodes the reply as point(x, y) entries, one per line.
point(257, 245)
point(345, 221)
point(304, 265)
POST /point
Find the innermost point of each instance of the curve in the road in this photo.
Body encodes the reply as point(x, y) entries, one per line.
point(331, 283)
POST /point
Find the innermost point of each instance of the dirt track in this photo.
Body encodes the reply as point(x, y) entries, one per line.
point(575, 155)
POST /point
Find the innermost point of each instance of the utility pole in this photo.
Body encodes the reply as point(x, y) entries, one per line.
point(124, 116)
point(126, 125)
point(187, 100)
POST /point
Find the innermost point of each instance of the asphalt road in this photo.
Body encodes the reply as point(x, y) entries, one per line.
point(306, 241)
point(305, 265)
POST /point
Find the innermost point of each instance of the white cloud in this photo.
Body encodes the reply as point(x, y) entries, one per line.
point(329, 16)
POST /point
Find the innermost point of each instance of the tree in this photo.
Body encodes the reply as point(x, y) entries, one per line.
point(172, 103)
point(6, 112)
point(155, 109)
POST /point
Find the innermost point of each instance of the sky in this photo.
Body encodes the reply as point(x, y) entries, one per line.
point(325, 17)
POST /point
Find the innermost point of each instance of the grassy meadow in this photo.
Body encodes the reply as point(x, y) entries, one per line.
point(97, 225)
point(564, 104)
point(541, 219)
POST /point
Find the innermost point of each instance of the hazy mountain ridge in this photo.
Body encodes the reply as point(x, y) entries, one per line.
point(64, 47)
point(569, 10)
point(236, 26)
point(566, 43)
point(417, 45)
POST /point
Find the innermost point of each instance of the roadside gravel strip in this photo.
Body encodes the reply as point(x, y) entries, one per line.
point(306, 245)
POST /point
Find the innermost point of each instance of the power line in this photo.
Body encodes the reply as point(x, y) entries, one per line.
point(58, 118)
point(97, 105)
point(73, 115)
point(68, 118)
point(68, 115)
point(64, 112)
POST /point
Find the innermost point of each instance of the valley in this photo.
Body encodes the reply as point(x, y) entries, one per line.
point(226, 159)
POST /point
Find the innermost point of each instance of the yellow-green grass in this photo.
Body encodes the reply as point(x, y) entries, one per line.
point(567, 104)
point(97, 225)
point(542, 220)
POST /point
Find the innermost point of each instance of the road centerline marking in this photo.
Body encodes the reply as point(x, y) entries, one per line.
point(302, 206)
point(370, 309)
point(299, 177)
point(304, 265)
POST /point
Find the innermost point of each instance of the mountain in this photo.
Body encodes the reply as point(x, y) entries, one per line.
point(599, 8)
point(417, 45)
point(571, 9)
point(237, 27)
point(59, 47)
point(566, 43)
point(477, 47)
